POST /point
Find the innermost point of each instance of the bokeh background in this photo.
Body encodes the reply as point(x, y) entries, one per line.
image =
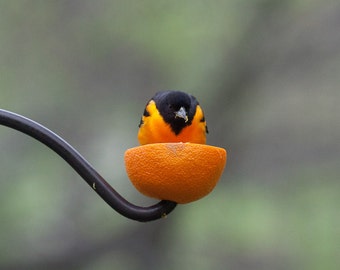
point(267, 74)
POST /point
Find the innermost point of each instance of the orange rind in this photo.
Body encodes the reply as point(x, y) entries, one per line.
point(178, 172)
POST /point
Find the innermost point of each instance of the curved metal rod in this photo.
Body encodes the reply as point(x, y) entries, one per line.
point(84, 169)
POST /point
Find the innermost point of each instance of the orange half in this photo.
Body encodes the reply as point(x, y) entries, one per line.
point(178, 172)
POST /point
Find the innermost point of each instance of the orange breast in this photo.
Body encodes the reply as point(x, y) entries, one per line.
point(155, 130)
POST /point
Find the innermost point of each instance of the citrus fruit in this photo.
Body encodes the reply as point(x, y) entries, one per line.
point(178, 172)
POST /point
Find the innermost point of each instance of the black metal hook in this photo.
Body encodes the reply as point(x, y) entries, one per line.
point(85, 169)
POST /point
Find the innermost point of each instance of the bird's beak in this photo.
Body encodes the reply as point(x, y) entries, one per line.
point(182, 113)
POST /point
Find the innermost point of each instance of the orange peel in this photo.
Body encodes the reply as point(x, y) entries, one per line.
point(178, 172)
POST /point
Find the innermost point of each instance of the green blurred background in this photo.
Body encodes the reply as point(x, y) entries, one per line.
point(267, 76)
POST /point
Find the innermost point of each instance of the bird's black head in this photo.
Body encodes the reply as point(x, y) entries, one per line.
point(177, 108)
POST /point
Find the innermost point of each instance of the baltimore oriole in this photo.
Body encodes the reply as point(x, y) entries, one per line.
point(172, 116)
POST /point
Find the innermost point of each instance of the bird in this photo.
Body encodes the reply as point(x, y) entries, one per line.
point(172, 116)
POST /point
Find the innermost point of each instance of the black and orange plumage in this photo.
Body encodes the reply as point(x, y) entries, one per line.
point(172, 116)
